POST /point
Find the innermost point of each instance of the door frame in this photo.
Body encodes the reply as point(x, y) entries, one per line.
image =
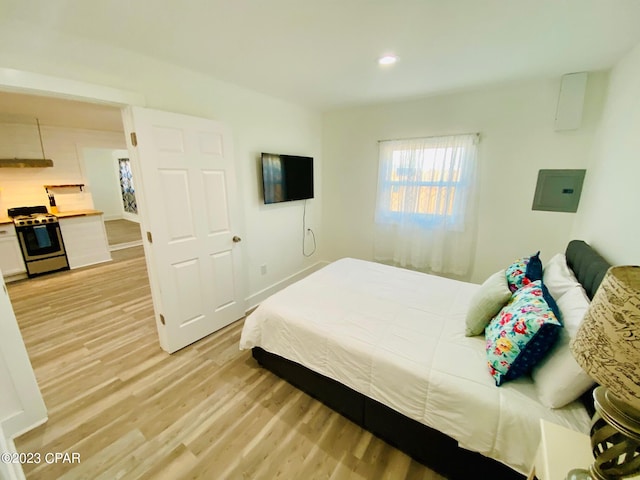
point(127, 123)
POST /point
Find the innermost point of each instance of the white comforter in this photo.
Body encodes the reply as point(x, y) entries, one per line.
point(397, 336)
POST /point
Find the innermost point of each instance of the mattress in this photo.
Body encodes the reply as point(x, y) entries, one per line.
point(397, 336)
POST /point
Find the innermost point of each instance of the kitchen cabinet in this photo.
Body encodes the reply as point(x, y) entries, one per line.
point(11, 262)
point(85, 239)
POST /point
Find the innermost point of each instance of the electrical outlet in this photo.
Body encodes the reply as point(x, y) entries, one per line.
point(263, 269)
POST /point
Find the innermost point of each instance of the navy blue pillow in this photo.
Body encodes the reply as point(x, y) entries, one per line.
point(534, 268)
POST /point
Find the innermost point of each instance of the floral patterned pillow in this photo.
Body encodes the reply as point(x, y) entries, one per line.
point(524, 271)
point(522, 332)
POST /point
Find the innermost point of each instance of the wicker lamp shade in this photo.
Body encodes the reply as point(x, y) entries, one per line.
point(607, 344)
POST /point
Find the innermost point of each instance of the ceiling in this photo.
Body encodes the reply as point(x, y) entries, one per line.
point(19, 108)
point(322, 53)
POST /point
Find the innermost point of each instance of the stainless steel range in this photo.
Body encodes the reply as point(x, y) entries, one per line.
point(40, 240)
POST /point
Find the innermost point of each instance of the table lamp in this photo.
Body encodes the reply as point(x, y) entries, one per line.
point(607, 347)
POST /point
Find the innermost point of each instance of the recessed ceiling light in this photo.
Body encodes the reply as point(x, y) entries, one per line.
point(387, 60)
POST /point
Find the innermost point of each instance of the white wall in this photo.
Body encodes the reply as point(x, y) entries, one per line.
point(25, 186)
point(102, 181)
point(272, 235)
point(516, 123)
point(608, 214)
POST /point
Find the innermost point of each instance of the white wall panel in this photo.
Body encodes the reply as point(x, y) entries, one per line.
point(607, 216)
point(103, 182)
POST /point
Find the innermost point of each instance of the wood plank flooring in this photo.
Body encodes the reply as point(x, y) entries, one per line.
point(122, 232)
point(206, 412)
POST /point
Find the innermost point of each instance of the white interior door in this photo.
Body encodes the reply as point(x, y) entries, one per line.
point(189, 205)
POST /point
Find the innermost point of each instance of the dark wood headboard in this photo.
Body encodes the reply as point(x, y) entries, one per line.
point(587, 264)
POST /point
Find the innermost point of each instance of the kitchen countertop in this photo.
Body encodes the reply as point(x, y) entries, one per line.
point(70, 213)
point(78, 213)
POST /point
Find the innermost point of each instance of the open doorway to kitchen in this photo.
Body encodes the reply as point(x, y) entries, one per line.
point(110, 179)
point(89, 330)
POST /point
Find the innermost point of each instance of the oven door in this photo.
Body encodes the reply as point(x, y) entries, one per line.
point(40, 241)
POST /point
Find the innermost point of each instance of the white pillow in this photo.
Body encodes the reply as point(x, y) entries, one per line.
point(486, 303)
point(558, 277)
point(558, 378)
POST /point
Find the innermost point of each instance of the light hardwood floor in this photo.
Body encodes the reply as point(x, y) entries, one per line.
point(122, 232)
point(206, 412)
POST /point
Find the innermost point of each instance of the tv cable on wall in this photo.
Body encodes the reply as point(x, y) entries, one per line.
point(304, 233)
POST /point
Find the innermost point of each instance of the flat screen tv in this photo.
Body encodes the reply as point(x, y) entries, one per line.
point(286, 177)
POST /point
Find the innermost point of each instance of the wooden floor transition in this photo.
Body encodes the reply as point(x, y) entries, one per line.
point(207, 412)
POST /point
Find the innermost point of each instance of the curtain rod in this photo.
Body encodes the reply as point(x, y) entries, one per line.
point(430, 136)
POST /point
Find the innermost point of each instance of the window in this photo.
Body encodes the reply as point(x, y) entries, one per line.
point(424, 180)
point(426, 206)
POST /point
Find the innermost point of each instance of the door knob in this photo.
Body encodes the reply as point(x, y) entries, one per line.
point(236, 239)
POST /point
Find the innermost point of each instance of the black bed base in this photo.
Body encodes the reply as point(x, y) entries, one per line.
point(426, 445)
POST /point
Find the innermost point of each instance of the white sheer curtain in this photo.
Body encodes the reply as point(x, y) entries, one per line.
point(426, 208)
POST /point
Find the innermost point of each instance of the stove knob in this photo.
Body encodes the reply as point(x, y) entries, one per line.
point(29, 222)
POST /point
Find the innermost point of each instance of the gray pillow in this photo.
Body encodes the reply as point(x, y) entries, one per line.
point(493, 294)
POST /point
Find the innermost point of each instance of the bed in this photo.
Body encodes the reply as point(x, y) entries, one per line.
point(386, 347)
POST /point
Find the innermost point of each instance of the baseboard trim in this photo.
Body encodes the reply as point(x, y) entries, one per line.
point(121, 246)
point(13, 471)
point(15, 277)
point(252, 301)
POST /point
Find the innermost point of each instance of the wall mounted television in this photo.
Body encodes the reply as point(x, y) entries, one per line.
point(286, 178)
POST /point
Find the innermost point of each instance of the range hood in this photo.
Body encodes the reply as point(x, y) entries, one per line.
point(25, 162)
point(28, 162)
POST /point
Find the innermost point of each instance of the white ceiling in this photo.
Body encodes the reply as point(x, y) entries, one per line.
point(322, 53)
point(27, 109)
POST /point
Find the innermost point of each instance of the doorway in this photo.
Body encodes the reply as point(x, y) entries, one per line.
point(25, 187)
point(193, 257)
point(112, 185)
